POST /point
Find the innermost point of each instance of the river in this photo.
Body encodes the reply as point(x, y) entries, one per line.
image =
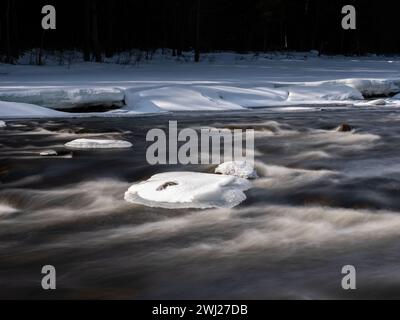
point(324, 199)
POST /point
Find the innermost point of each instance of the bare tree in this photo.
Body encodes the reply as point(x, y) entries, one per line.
point(9, 58)
point(86, 48)
point(197, 36)
point(95, 32)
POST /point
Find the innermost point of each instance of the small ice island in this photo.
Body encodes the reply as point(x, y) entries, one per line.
point(177, 190)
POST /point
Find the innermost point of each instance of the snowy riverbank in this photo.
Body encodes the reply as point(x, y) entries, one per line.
point(221, 81)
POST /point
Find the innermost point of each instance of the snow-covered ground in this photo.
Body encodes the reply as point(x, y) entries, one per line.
point(222, 81)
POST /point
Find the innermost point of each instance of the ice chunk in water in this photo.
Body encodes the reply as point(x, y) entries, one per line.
point(241, 169)
point(49, 153)
point(98, 144)
point(189, 190)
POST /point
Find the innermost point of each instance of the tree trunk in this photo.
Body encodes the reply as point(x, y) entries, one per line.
point(197, 39)
point(109, 50)
point(95, 32)
point(8, 33)
point(39, 61)
point(87, 49)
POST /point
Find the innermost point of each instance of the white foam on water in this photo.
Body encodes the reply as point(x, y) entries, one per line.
point(285, 230)
point(277, 231)
point(333, 142)
point(72, 202)
point(311, 155)
point(6, 210)
point(273, 177)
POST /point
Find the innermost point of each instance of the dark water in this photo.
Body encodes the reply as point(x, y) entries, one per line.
point(324, 200)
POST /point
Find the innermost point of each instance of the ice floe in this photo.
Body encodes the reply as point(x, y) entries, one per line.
point(2, 124)
point(98, 144)
point(48, 153)
point(174, 190)
point(241, 169)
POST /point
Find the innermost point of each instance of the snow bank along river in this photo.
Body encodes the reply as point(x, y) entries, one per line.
point(229, 82)
point(323, 199)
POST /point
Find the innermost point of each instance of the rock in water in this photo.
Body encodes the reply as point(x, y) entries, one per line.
point(166, 185)
point(344, 127)
point(49, 153)
point(174, 190)
point(98, 144)
point(241, 169)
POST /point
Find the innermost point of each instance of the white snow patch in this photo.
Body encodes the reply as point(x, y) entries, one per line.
point(244, 97)
point(175, 98)
point(174, 190)
point(23, 110)
point(98, 144)
point(323, 92)
point(241, 169)
point(2, 124)
point(217, 97)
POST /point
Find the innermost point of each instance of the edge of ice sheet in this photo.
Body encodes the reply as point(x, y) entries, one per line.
point(64, 97)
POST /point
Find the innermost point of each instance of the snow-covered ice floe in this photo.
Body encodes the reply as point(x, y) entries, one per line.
point(98, 144)
point(241, 169)
point(174, 190)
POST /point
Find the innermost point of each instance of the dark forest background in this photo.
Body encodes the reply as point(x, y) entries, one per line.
point(103, 28)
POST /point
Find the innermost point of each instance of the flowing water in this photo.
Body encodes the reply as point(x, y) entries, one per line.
point(324, 200)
